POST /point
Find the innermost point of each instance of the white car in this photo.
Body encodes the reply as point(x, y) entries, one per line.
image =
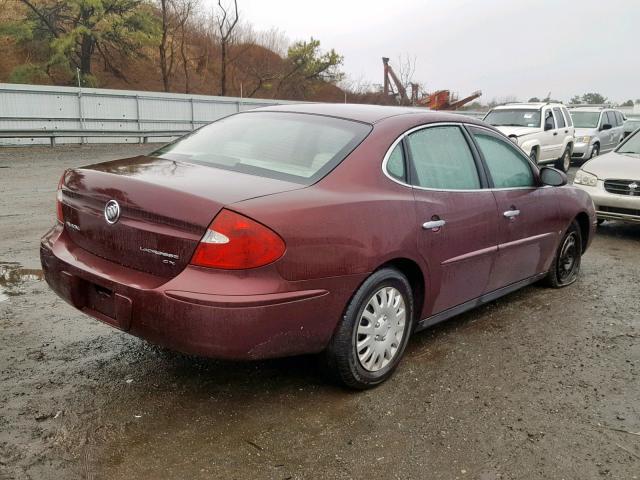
point(543, 130)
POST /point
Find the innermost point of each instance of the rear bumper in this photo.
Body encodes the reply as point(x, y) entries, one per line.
point(221, 314)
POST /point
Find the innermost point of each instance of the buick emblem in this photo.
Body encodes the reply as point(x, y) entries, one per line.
point(633, 186)
point(111, 212)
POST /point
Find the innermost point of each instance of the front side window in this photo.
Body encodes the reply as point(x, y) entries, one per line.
point(290, 146)
point(613, 121)
point(507, 167)
point(549, 122)
point(442, 159)
point(559, 117)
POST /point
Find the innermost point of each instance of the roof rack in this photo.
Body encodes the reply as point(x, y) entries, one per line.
point(590, 105)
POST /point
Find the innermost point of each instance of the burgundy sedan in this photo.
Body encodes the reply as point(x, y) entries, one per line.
point(286, 230)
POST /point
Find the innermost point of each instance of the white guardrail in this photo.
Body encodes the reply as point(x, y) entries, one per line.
point(41, 115)
point(98, 115)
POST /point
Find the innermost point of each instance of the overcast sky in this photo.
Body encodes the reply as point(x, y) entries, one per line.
point(521, 48)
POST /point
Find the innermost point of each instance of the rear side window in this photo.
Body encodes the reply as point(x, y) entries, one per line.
point(442, 159)
point(507, 167)
point(396, 164)
point(290, 146)
point(559, 117)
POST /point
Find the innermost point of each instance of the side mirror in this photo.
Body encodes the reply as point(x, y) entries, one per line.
point(606, 126)
point(552, 177)
point(548, 126)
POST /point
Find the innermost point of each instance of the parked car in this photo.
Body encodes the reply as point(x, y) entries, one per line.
point(613, 181)
point(544, 131)
point(630, 125)
point(598, 130)
point(314, 228)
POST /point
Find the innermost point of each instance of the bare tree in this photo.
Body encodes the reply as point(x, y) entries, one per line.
point(176, 16)
point(226, 21)
point(166, 44)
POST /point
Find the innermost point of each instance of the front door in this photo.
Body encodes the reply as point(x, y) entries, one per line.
point(606, 136)
point(529, 223)
point(550, 142)
point(457, 231)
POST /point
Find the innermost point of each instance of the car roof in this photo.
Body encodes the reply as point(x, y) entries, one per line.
point(358, 112)
point(593, 109)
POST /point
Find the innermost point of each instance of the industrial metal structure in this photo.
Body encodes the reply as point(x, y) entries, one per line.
point(438, 100)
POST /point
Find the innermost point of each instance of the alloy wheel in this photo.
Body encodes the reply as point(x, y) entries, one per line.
point(381, 329)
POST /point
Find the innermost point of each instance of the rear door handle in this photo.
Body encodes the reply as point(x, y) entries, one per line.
point(433, 224)
point(555, 133)
point(511, 213)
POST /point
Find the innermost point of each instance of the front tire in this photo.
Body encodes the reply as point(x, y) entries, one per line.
point(533, 155)
point(368, 344)
point(564, 162)
point(566, 264)
point(595, 151)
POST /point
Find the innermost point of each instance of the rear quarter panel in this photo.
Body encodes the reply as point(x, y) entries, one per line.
point(352, 221)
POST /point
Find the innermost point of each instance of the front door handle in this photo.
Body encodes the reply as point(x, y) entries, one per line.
point(555, 133)
point(511, 213)
point(433, 224)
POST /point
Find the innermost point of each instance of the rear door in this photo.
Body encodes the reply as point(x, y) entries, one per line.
point(456, 213)
point(563, 128)
point(528, 220)
point(619, 128)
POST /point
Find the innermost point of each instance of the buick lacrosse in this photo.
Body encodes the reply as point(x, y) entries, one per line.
point(339, 229)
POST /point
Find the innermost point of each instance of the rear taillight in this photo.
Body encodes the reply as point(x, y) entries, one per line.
point(235, 242)
point(59, 213)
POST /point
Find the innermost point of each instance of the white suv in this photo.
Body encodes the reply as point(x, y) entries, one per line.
point(543, 130)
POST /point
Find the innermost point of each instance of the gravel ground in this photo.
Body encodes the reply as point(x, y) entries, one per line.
point(539, 384)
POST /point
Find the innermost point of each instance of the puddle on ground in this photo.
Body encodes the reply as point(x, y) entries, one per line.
point(12, 276)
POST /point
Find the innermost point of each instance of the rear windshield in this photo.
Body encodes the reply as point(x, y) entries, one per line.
point(585, 119)
point(518, 117)
point(289, 146)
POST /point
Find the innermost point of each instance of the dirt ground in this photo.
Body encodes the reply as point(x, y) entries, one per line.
point(539, 384)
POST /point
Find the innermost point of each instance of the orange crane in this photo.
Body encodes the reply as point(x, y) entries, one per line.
point(438, 100)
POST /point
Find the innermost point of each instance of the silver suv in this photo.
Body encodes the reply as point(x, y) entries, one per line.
point(598, 130)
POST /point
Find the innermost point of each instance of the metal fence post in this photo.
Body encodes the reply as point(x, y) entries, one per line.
point(140, 139)
point(193, 124)
point(80, 113)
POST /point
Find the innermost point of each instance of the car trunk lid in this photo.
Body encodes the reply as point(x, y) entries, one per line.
point(165, 208)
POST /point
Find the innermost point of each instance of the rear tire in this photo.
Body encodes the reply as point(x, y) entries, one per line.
point(370, 340)
point(566, 264)
point(564, 162)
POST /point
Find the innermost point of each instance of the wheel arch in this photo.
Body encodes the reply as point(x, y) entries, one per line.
point(410, 269)
point(583, 222)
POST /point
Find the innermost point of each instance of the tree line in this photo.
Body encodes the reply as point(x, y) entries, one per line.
point(189, 49)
